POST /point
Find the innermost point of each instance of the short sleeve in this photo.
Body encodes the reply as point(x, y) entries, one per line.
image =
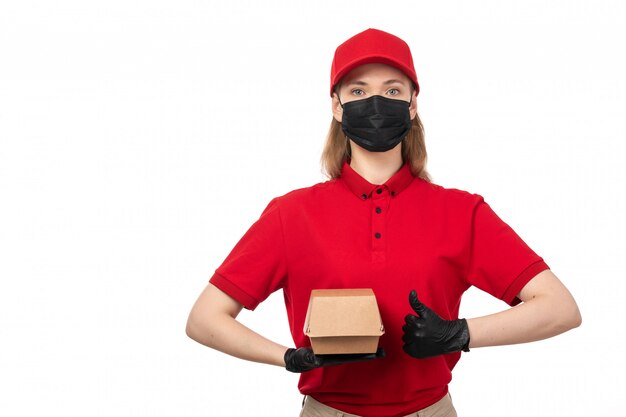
point(256, 266)
point(500, 263)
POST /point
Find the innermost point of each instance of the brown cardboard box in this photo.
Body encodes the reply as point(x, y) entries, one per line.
point(343, 321)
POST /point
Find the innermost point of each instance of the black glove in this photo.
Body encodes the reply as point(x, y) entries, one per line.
point(303, 359)
point(430, 335)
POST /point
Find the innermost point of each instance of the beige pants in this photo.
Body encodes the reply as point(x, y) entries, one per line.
point(314, 408)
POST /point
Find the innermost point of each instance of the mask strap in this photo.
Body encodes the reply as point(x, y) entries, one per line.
point(339, 98)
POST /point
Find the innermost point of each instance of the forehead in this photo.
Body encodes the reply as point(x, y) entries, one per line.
point(371, 73)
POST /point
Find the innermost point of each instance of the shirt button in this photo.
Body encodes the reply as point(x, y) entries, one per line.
point(378, 210)
point(364, 196)
point(393, 193)
point(380, 190)
point(377, 235)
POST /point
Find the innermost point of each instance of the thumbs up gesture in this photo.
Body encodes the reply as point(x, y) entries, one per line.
point(427, 334)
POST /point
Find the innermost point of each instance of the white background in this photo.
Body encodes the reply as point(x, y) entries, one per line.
point(140, 139)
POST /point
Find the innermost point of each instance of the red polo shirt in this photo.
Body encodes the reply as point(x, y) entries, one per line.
point(405, 234)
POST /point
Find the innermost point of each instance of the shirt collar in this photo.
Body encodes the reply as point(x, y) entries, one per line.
point(363, 188)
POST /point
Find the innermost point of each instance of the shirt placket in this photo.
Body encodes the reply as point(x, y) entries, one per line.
point(379, 206)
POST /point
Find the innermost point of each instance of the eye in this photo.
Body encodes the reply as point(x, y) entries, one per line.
point(393, 91)
point(357, 92)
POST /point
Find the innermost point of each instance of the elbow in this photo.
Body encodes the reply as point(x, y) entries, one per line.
point(203, 328)
point(211, 316)
point(571, 318)
point(576, 318)
point(189, 329)
point(194, 327)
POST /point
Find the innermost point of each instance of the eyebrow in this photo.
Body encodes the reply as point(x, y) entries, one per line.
point(393, 81)
point(388, 82)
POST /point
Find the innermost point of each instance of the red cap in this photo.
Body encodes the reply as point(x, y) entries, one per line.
point(372, 46)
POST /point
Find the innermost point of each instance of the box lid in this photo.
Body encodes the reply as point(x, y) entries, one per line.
point(345, 312)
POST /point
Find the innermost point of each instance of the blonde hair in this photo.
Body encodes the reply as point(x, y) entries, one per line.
point(337, 150)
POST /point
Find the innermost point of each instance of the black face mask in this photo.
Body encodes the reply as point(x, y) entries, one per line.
point(376, 123)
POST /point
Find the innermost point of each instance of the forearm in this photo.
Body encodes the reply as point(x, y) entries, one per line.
point(226, 334)
point(212, 322)
point(536, 319)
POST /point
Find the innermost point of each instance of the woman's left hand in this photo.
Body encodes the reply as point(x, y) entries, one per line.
point(429, 335)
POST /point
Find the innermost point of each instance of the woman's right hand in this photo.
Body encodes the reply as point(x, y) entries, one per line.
point(303, 359)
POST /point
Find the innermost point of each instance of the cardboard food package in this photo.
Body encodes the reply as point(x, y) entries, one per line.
point(345, 321)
